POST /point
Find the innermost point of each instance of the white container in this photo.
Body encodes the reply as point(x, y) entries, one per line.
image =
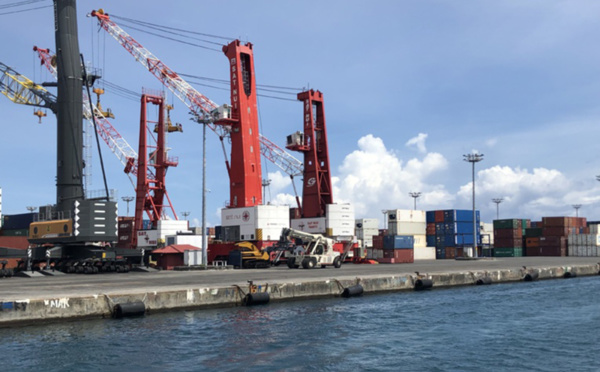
point(406, 215)
point(420, 241)
point(311, 225)
point(192, 257)
point(594, 240)
point(366, 233)
point(407, 228)
point(424, 253)
point(193, 240)
point(594, 229)
point(367, 223)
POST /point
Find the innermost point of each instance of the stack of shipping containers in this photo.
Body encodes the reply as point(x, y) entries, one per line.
point(365, 229)
point(450, 231)
point(508, 237)
point(554, 237)
point(15, 230)
point(585, 245)
point(406, 232)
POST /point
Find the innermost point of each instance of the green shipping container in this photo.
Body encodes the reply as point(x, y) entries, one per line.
point(533, 232)
point(20, 232)
point(508, 252)
point(506, 224)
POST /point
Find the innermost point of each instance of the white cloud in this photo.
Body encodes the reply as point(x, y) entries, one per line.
point(374, 178)
point(418, 142)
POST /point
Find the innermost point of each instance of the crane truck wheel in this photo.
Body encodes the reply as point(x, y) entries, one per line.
point(309, 263)
point(337, 262)
point(290, 262)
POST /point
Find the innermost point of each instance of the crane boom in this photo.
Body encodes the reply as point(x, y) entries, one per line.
point(22, 90)
point(203, 108)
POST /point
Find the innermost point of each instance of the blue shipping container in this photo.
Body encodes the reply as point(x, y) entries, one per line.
point(450, 215)
point(449, 228)
point(17, 221)
point(464, 227)
point(465, 215)
point(449, 240)
point(440, 253)
point(439, 228)
point(467, 239)
point(430, 240)
point(430, 216)
point(398, 242)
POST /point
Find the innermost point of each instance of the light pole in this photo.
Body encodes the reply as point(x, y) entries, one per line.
point(185, 214)
point(474, 158)
point(497, 201)
point(415, 195)
point(265, 183)
point(31, 209)
point(127, 199)
point(576, 206)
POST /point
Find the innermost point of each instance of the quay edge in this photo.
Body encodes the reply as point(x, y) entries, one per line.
point(43, 310)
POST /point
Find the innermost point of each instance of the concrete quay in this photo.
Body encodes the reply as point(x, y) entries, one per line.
point(64, 297)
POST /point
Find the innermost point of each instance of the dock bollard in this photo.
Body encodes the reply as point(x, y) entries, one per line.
point(422, 284)
point(530, 277)
point(127, 309)
point(259, 298)
point(569, 274)
point(484, 280)
point(355, 290)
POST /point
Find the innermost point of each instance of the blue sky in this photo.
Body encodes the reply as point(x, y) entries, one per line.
point(409, 87)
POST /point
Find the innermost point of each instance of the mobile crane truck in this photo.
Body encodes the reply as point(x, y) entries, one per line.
point(314, 250)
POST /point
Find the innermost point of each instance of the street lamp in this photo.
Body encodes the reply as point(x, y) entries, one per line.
point(474, 158)
point(127, 199)
point(265, 183)
point(576, 206)
point(185, 214)
point(497, 201)
point(415, 195)
point(31, 209)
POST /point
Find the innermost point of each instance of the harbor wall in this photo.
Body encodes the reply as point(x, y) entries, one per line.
point(19, 311)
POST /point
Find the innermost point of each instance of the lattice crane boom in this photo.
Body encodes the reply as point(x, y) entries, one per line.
point(205, 110)
point(21, 90)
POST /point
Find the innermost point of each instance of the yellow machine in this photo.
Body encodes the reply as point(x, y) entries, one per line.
point(252, 257)
point(46, 231)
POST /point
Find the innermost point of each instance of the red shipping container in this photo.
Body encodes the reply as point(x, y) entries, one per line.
point(450, 253)
point(460, 252)
point(377, 242)
point(555, 221)
point(430, 230)
point(532, 242)
point(508, 233)
point(439, 216)
point(404, 255)
point(508, 242)
point(555, 231)
point(386, 260)
point(19, 242)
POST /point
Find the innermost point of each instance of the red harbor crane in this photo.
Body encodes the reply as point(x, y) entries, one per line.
point(238, 122)
point(316, 191)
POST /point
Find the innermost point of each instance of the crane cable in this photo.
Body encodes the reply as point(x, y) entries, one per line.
point(87, 88)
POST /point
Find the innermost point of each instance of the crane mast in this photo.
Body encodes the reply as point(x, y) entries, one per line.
point(316, 191)
point(217, 118)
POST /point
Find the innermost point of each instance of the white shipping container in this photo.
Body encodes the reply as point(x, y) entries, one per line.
point(363, 233)
point(192, 258)
point(407, 228)
point(406, 215)
point(339, 208)
point(594, 229)
point(311, 225)
point(367, 242)
point(420, 241)
point(594, 240)
point(367, 223)
point(260, 216)
point(272, 233)
point(424, 253)
point(193, 240)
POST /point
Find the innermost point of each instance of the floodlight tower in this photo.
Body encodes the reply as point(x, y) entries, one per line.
point(415, 195)
point(474, 158)
point(497, 201)
point(576, 206)
point(127, 199)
